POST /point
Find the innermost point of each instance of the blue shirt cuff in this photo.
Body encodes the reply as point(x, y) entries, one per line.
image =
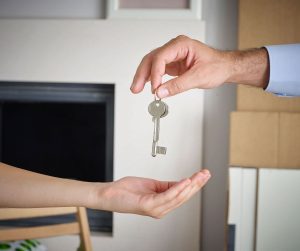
point(284, 69)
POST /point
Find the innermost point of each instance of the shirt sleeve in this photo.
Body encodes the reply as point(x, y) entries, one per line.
point(284, 69)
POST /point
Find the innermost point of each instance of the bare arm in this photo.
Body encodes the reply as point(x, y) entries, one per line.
point(21, 188)
point(197, 65)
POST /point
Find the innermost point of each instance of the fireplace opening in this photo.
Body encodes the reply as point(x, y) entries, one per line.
point(59, 129)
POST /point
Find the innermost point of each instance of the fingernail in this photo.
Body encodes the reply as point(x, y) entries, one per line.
point(207, 178)
point(204, 176)
point(132, 86)
point(206, 173)
point(162, 92)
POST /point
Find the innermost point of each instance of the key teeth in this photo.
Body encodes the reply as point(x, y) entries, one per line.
point(161, 150)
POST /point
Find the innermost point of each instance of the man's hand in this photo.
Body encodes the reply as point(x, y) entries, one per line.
point(147, 196)
point(197, 65)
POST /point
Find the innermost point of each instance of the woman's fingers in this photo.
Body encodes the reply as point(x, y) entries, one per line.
point(164, 209)
point(197, 184)
point(162, 186)
point(153, 201)
point(198, 180)
point(172, 192)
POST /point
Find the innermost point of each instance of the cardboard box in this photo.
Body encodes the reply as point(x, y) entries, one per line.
point(255, 99)
point(289, 140)
point(254, 139)
point(265, 139)
point(268, 22)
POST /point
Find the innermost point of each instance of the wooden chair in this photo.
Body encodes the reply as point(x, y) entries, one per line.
point(80, 226)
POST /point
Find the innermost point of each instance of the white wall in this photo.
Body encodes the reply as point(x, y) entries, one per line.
point(103, 51)
point(221, 22)
point(221, 32)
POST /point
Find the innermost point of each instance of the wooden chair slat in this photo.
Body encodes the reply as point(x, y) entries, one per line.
point(39, 232)
point(21, 213)
point(80, 227)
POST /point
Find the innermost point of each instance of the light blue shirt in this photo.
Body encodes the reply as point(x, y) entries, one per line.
point(284, 69)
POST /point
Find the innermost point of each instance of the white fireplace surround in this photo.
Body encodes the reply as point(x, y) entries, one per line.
point(108, 51)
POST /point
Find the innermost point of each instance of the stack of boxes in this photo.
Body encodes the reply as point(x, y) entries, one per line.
point(265, 129)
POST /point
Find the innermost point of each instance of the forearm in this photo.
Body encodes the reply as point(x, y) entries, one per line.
point(21, 188)
point(250, 67)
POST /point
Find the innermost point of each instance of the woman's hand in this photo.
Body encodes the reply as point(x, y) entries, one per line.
point(21, 188)
point(147, 196)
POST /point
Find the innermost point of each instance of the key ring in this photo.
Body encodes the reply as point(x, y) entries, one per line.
point(156, 98)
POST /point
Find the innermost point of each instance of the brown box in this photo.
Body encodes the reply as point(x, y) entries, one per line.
point(254, 99)
point(254, 139)
point(265, 139)
point(268, 22)
point(289, 140)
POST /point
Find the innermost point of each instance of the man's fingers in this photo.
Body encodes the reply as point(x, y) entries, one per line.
point(154, 64)
point(177, 85)
point(142, 74)
point(170, 53)
point(158, 69)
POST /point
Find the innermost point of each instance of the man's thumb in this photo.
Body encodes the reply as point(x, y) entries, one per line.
point(173, 87)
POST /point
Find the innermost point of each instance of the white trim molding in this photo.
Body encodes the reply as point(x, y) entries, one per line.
point(194, 12)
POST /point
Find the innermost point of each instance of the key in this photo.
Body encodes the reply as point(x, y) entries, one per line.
point(166, 110)
point(157, 109)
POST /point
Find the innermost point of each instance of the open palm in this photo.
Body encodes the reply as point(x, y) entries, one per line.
point(151, 197)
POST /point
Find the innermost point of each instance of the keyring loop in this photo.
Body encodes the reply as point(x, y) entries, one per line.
point(156, 98)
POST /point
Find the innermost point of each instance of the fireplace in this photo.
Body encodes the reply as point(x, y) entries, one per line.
point(59, 129)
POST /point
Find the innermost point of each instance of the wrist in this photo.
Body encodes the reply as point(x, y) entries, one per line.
point(95, 198)
point(250, 67)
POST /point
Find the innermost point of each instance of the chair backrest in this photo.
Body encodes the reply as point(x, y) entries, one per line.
point(80, 226)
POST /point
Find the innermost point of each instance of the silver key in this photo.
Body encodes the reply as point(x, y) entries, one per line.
point(157, 109)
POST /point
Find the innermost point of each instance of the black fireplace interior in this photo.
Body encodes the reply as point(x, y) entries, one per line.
point(63, 130)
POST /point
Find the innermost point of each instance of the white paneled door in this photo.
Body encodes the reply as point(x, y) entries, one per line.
point(242, 202)
point(278, 212)
point(264, 206)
